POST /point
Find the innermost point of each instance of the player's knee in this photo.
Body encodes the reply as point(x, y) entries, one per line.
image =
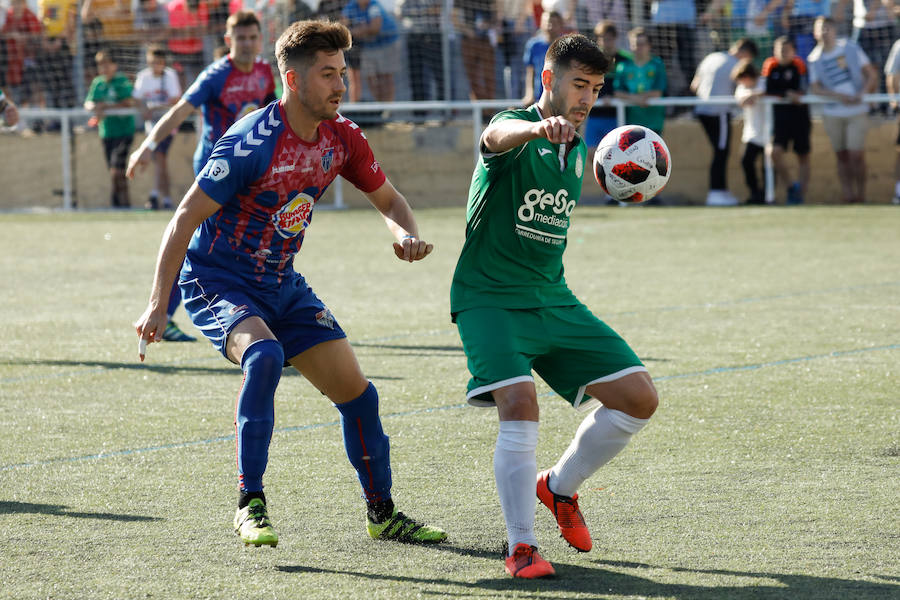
point(518, 407)
point(263, 358)
point(643, 400)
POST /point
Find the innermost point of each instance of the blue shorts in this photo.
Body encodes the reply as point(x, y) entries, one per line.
point(163, 146)
point(292, 311)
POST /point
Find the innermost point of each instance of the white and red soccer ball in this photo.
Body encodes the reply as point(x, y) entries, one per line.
point(632, 164)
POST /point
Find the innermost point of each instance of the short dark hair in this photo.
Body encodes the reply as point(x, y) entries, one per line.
point(744, 68)
point(745, 45)
point(575, 47)
point(604, 27)
point(156, 51)
point(242, 18)
point(104, 56)
point(784, 40)
point(302, 39)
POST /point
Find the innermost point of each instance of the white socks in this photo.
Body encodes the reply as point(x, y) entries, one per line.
point(515, 469)
point(602, 435)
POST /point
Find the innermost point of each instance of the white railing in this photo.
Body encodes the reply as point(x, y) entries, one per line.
point(68, 117)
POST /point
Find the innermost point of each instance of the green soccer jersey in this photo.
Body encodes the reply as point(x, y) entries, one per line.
point(517, 217)
point(115, 90)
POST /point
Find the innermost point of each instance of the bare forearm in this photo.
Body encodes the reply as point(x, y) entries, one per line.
point(506, 135)
point(399, 219)
point(169, 122)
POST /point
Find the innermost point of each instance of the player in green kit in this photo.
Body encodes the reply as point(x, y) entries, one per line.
point(516, 314)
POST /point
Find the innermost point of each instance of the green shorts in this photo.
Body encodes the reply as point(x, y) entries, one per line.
point(567, 346)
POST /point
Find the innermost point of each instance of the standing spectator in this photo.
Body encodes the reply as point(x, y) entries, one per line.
point(421, 20)
point(785, 76)
point(552, 26)
point(22, 33)
point(374, 30)
point(157, 90)
point(713, 78)
point(674, 27)
point(55, 58)
point(873, 26)
point(892, 77)
point(748, 90)
point(515, 29)
point(840, 70)
point(109, 90)
point(476, 20)
point(566, 8)
point(640, 79)
point(603, 119)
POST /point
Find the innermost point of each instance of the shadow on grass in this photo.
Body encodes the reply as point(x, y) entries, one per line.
point(406, 349)
point(600, 582)
point(166, 369)
point(7, 508)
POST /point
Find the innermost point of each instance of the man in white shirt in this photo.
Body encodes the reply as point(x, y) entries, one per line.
point(713, 78)
point(156, 88)
point(839, 70)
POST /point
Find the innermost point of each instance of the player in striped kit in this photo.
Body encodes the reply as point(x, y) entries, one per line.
point(237, 232)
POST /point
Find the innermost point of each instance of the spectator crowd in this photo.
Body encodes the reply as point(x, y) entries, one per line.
point(836, 49)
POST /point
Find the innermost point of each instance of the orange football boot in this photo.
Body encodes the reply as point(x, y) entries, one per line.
point(568, 515)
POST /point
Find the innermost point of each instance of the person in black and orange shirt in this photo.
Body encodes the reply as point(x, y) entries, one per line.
point(785, 75)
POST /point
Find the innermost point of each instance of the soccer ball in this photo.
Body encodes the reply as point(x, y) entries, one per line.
point(632, 164)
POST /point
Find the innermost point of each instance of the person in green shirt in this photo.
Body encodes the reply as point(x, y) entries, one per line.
point(515, 312)
point(640, 79)
point(109, 90)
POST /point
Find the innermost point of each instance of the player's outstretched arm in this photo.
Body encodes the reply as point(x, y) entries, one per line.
point(192, 211)
point(399, 219)
point(168, 123)
point(506, 135)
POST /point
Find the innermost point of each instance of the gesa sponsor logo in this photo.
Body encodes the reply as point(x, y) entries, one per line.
point(294, 216)
point(539, 200)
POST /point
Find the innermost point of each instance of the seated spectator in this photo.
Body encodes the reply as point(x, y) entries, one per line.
point(552, 26)
point(785, 77)
point(713, 78)
point(374, 31)
point(640, 79)
point(840, 70)
point(602, 119)
point(797, 17)
point(110, 90)
point(748, 90)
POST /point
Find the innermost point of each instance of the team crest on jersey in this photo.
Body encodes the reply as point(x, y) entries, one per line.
point(325, 318)
point(294, 216)
point(327, 159)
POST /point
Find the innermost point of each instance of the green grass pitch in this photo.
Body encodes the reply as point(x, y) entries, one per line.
point(771, 469)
